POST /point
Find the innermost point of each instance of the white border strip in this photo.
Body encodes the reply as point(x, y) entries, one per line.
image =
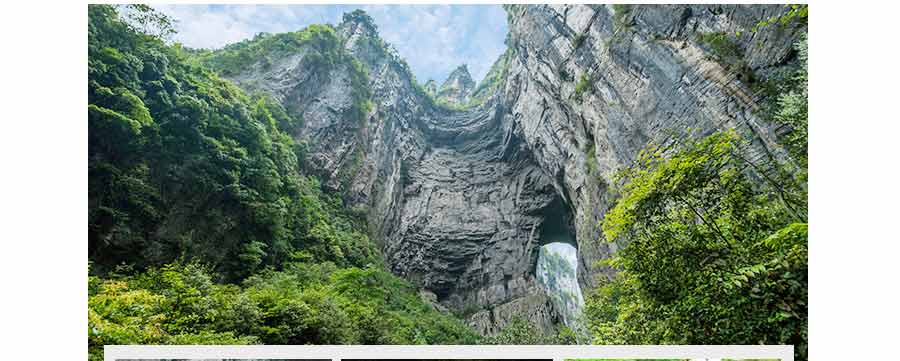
point(116, 352)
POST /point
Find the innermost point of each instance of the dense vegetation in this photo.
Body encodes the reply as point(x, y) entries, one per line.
point(193, 183)
point(204, 226)
point(713, 245)
point(492, 80)
point(521, 331)
point(323, 55)
point(323, 52)
point(184, 165)
point(307, 303)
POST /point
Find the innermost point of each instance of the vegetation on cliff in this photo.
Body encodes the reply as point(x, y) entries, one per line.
point(306, 303)
point(202, 228)
point(493, 80)
point(183, 165)
point(713, 245)
point(206, 228)
point(708, 254)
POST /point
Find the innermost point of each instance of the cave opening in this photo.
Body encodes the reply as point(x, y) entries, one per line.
point(557, 225)
point(557, 272)
point(556, 264)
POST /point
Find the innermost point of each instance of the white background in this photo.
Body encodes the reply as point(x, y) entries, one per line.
point(853, 180)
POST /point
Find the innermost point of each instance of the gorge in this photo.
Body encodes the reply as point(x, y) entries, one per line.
point(459, 186)
point(623, 174)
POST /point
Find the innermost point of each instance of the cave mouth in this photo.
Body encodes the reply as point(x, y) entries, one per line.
point(557, 225)
point(557, 272)
point(556, 263)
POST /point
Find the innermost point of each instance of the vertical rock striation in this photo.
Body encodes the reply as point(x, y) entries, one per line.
point(459, 199)
point(644, 78)
point(556, 270)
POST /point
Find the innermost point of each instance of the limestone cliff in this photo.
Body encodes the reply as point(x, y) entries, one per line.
point(431, 87)
point(458, 87)
point(460, 199)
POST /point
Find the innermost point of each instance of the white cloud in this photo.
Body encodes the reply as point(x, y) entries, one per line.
point(433, 39)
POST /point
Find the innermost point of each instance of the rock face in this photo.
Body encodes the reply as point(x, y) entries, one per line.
point(651, 82)
point(461, 200)
point(556, 271)
point(458, 87)
point(431, 87)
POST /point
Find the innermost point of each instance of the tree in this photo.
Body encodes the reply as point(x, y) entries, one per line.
point(711, 252)
point(793, 109)
point(144, 19)
point(184, 165)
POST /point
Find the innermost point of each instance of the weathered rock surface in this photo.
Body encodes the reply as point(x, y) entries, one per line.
point(556, 271)
point(651, 82)
point(431, 87)
point(460, 200)
point(458, 87)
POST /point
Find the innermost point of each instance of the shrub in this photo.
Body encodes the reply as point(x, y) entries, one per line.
point(585, 84)
point(708, 254)
point(578, 40)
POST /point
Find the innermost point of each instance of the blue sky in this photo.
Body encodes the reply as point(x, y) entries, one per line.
point(434, 39)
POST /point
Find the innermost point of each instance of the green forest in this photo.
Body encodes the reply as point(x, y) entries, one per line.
point(205, 227)
point(707, 233)
point(201, 230)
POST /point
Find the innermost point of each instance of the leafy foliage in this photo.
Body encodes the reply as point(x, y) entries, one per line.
point(720, 44)
point(144, 20)
point(193, 182)
point(564, 75)
point(585, 84)
point(520, 331)
point(794, 13)
point(308, 303)
point(792, 109)
point(493, 80)
point(621, 14)
point(591, 159)
point(183, 165)
point(322, 52)
point(578, 40)
point(728, 53)
point(714, 247)
point(712, 252)
point(323, 42)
